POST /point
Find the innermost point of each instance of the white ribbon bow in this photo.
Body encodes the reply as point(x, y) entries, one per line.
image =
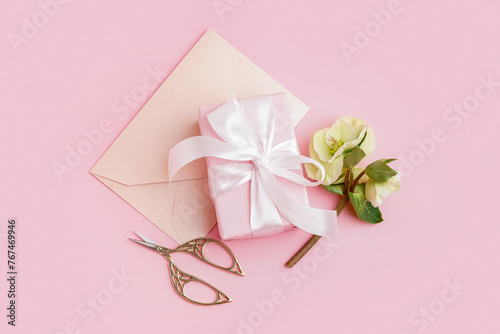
point(243, 142)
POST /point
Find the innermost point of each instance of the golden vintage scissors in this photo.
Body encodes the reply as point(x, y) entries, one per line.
point(195, 247)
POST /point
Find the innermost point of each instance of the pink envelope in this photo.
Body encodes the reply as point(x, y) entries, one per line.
point(135, 166)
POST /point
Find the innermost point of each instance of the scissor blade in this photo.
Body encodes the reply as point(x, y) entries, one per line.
point(144, 238)
point(147, 244)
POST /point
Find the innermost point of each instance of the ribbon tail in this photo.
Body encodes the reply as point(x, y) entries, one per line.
point(264, 216)
point(316, 221)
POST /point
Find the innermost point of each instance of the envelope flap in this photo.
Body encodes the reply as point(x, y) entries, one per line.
point(212, 72)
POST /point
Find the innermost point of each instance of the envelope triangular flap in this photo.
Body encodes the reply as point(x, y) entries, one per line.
point(212, 72)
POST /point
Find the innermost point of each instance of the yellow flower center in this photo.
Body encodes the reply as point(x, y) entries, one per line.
point(333, 144)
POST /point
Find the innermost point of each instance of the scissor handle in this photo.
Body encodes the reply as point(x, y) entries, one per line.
point(197, 246)
point(180, 279)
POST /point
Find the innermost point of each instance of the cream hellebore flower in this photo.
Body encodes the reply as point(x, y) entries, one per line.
point(377, 192)
point(328, 145)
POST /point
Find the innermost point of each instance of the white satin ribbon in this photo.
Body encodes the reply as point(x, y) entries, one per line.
point(251, 140)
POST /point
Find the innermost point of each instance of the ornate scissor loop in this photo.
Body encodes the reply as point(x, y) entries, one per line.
point(197, 247)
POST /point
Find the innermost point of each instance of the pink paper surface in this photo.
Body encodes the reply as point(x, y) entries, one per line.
point(233, 208)
point(420, 80)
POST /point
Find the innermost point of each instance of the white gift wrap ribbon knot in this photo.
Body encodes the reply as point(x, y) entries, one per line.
point(242, 141)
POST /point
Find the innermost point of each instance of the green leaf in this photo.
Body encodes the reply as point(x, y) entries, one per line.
point(352, 158)
point(335, 188)
point(364, 209)
point(378, 170)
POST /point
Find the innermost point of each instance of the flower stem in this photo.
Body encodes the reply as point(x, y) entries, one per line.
point(347, 179)
point(315, 238)
point(356, 181)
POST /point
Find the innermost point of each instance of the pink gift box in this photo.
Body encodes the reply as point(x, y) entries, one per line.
point(233, 207)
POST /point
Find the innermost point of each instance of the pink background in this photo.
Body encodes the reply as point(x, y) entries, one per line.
point(441, 227)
